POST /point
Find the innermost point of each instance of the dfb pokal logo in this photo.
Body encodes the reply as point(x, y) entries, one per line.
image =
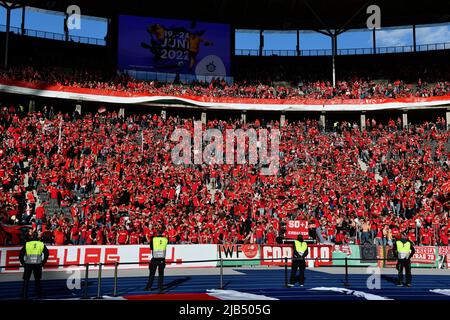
point(209, 147)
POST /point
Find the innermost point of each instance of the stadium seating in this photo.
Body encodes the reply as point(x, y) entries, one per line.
point(101, 184)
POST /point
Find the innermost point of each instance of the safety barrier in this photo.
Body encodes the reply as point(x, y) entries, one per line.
point(283, 262)
point(345, 51)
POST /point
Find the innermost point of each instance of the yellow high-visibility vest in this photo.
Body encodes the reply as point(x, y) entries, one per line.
point(34, 250)
point(300, 246)
point(159, 247)
point(403, 249)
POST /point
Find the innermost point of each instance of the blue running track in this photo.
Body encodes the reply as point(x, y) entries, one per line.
point(262, 282)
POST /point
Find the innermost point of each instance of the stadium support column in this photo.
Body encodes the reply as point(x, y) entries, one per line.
point(298, 42)
point(414, 37)
point(333, 54)
point(374, 41)
point(8, 7)
point(261, 42)
point(32, 106)
point(322, 121)
point(244, 116)
point(363, 120)
point(78, 108)
point(282, 119)
point(204, 117)
point(447, 119)
point(23, 21)
point(405, 119)
point(8, 24)
point(66, 28)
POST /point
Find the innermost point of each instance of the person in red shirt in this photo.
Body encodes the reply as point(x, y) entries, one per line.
point(172, 234)
point(111, 237)
point(271, 236)
point(91, 236)
point(59, 236)
point(134, 237)
point(100, 236)
point(341, 237)
point(75, 235)
point(426, 237)
point(39, 212)
point(122, 236)
point(259, 233)
point(443, 236)
point(193, 237)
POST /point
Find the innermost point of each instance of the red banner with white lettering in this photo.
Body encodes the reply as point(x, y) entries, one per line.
point(296, 227)
point(176, 255)
point(274, 255)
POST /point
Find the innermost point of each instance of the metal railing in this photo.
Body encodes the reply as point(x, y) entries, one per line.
point(54, 36)
point(170, 77)
point(280, 262)
point(343, 52)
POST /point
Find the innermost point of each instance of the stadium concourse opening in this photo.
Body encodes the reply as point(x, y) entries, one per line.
point(212, 137)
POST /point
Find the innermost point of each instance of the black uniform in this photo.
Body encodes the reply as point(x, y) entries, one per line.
point(35, 269)
point(404, 264)
point(298, 263)
point(156, 263)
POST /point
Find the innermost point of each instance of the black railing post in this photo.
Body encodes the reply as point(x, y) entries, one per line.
point(285, 272)
point(86, 279)
point(346, 284)
point(116, 265)
point(221, 273)
point(99, 281)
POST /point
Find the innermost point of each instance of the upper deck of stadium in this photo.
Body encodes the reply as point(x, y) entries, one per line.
point(267, 14)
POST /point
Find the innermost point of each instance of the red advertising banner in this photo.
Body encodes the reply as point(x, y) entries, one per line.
point(296, 227)
point(141, 254)
point(424, 255)
point(444, 250)
point(274, 255)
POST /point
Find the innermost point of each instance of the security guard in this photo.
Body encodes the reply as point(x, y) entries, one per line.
point(404, 250)
point(33, 256)
point(298, 261)
point(158, 246)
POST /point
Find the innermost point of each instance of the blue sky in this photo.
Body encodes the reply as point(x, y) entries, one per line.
point(245, 39)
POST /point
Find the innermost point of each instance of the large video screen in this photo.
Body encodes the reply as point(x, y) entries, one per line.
point(173, 46)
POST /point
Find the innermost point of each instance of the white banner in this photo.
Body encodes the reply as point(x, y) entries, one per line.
point(176, 256)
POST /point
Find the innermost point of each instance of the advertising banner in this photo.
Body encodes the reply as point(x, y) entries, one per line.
point(444, 252)
point(176, 256)
point(296, 227)
point(174, 46)
point(238, 254)
point(274, 255)
point(356, 255)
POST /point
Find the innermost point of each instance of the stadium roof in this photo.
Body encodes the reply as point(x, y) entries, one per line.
point(267, 14)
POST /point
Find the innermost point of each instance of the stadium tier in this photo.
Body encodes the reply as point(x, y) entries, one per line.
point(104, 179)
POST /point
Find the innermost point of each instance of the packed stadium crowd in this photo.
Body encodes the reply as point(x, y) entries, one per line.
point(353, 88)
point(104, 179)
